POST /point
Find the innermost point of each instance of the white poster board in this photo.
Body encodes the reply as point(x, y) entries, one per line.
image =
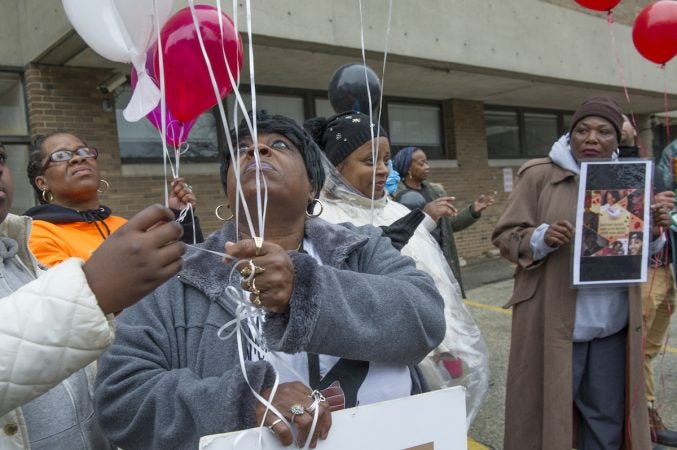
point(430, 421)
point(613, 233)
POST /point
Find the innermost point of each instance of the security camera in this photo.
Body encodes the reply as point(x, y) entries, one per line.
point(113, 83)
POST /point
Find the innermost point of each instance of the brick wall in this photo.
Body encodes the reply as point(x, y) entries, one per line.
point(624, 13)
point(67, 98)
point(465, 134)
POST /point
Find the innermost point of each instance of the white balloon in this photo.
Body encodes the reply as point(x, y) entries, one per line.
point(117, 28)
point(122, 31)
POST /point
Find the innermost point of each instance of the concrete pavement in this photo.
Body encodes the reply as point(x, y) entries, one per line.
point(487, 290)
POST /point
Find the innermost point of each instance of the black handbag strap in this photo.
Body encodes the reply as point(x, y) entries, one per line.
point(349, 372)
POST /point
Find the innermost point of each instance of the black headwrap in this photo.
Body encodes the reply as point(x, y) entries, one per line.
point(287, 127)
point(342, 134)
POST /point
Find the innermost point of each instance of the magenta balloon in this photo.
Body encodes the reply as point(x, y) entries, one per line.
point(177, 131)
point(189, 86)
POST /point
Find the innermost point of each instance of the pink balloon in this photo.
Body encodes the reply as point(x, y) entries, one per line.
point(189, 86)
point(176, 131)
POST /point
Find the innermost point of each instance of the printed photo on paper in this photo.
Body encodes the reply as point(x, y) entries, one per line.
point(612, 237)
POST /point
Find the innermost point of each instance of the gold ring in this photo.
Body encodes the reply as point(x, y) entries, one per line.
point(246, 271)
point(256, 299)
point(251, 286)
point(258, 243)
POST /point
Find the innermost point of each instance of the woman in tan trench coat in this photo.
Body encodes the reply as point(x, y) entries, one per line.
point(535, 232)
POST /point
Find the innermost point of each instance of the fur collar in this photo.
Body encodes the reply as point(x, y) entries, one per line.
point(208, 273)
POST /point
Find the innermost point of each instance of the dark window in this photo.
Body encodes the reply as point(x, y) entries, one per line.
point(141, 142)
point(502, 131)
point(417, 125)
point(14, 136)
point(540, 131)
point(519, 133)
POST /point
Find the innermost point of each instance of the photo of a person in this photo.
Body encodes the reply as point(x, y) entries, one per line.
point(615, 248)
point(636, 203)
point(618, 248)
point(590, 240)
point(614, 219)
point(590, 218)
point(636, 243)
point(611, 208)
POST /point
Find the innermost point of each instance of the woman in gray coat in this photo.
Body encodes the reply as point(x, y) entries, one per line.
point(338, 301)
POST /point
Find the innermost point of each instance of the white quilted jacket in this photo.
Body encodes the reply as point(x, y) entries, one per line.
point(49, 329)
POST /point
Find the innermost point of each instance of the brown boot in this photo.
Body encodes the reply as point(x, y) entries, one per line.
point(659, 432)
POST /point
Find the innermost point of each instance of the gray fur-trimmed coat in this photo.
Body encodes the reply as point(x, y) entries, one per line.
point(168, 379)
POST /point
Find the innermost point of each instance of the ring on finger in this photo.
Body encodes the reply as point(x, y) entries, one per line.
point(270, 427)
point(250, 269)
point(258, 244)
point(251, 286)
point(297, 410)
point(317, 395)
point(255, 298)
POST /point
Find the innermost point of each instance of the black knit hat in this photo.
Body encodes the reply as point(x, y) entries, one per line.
point(342, 134)
point(287, 127)
point(604, 107)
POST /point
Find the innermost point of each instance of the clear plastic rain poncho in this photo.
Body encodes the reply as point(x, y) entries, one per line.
point(462, 357)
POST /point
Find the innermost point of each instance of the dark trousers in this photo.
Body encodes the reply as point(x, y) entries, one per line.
point(599, 391)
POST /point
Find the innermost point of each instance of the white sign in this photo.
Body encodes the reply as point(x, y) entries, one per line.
point(507, 179)
point(430, 421)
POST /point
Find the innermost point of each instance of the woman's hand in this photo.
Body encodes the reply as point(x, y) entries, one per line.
point(288, 395)
point(558, 233)
point(135, 259)
point(181, 194)
point(482, 203)
point(666, 199)
point(274, 284)
point(440, 207)
point(660, 219)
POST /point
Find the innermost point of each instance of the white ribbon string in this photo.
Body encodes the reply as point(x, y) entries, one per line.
point(371, 121)
point(254, 134)
point(234, 156)
point(374, 142)
point(246, 313)
point(383, 70)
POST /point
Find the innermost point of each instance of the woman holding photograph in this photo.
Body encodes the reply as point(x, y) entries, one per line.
point(569, 347)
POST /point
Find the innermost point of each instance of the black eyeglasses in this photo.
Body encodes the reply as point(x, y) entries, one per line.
point(67, 155)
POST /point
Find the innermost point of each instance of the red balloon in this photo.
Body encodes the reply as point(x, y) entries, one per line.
point(655, 31)
point(176, 131)
point(599, 5)
point(188, 87)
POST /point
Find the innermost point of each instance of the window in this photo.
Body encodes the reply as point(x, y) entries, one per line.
point(416, 125)
point(141, 142)
point(518, 133)
point(285, 105)
point(17, 160)
point(12, 106)
point(502, 131)
point(540, 131)
point(14, 136)
point(323, 108)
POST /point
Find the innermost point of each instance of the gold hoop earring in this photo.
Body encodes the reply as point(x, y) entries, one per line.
point(106, 186)
point(47, 195)
point(218, 216)
point(311, 207)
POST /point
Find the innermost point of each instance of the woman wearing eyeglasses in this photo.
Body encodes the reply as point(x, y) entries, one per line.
point(70, 221)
